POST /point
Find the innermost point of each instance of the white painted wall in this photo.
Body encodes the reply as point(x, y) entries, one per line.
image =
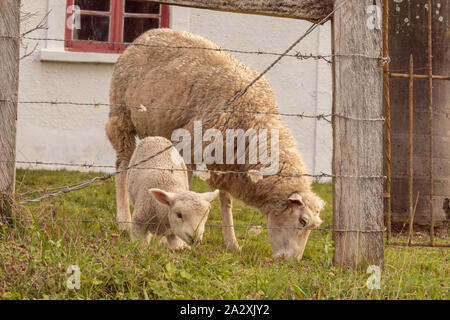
point(75, 134)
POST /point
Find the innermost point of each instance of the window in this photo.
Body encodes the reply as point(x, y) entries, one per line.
point(108, 25)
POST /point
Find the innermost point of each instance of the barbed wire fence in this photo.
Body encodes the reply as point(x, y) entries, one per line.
point(46, 193)
point(53, 192)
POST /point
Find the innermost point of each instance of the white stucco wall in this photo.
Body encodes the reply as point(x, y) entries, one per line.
point(75, 134)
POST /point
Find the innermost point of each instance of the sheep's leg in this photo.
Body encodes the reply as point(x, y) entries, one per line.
point(138, 228)
point(120, 132)
point(123, 203)
point(229, 238)
point(303, 239)
point(174, 242)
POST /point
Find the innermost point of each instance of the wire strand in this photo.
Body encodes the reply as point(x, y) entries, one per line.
point(143, 108)
point(208, 225)
point(298, 55)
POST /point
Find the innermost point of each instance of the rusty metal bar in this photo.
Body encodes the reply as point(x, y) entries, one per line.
point(411, 220)
point(442, 245)
point(387, 111)
point(418, 76)
point(430, 106)
point(410, 146)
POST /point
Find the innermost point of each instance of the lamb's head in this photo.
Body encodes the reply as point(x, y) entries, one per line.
point(288, 222)
point(188, 212)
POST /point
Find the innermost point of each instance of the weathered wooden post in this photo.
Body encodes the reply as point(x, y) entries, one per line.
point(358, 141)
point(9, 86)
point(312, 10)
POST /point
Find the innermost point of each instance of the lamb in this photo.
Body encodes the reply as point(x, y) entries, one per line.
point(161, 198)
point(150, 74)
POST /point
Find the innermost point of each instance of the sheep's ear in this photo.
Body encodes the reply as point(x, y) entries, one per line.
point(296, 199)
point(210, 196)
point(164, 197)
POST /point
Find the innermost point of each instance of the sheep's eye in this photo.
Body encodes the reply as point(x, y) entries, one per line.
point(303, 221)
point(179, 215)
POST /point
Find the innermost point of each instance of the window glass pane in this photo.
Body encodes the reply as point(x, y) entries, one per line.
point(93, 5)
point(136, 6)
point(93, 27)
point(133, 27)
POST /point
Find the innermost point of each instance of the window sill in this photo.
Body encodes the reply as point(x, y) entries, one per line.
point(53, 55)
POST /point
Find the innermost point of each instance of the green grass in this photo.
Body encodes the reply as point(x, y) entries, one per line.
point(79, 229)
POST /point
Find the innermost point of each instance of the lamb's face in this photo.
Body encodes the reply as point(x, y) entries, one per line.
point(188, 212)
point(288, 230)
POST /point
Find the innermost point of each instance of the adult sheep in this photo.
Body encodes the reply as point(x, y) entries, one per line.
point(149, 73)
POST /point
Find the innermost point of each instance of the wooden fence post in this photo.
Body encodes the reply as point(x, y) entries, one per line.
point(358, 144)
point(9, 87)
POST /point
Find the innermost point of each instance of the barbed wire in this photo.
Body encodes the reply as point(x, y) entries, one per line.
point(208, 225)
point(86, 166)
point(249, 172)
point(85, 184)
point(297, 55)
point(143, 108)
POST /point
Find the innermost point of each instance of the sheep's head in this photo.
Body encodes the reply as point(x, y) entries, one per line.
point(188, 212)
point(288, 226)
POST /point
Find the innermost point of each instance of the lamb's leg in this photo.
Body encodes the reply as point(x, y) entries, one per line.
point(123, 203)
point(138, 228)
point(122, 137)
point(226, 204)
point(303, 239)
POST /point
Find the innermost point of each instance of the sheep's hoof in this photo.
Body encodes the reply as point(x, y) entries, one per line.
point(233, 246)
point(125, 227)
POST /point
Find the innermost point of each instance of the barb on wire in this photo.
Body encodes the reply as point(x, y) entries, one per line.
point(87, 183)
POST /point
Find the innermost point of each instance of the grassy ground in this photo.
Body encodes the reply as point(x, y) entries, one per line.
point(79, 229)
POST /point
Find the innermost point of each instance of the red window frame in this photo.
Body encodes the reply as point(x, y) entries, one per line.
point(117, 15)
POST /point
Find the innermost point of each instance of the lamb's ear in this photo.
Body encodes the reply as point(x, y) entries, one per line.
point(164, 197)
point(296, 199)
point(210, 196)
